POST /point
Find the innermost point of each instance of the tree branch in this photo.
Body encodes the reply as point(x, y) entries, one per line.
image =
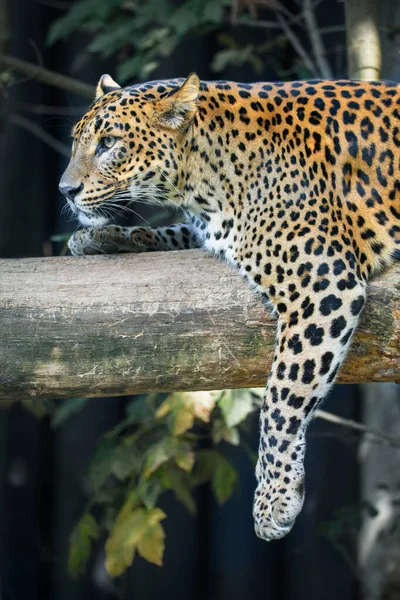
point(122, 324)
point(316, 40)
point(297, 45)
point(52, 78)
point(41, 134)
point(386, 440)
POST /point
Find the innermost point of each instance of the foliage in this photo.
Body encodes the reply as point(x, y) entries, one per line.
point(164, 443)
point(81, 543)
point(66, 409)
point(141, 33)
point(347, 521)
point(343, 529)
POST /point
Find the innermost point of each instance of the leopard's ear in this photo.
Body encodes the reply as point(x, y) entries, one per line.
point(180, 106)
point(106, 84)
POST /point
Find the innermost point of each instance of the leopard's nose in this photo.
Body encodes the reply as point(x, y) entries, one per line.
point(70, 192)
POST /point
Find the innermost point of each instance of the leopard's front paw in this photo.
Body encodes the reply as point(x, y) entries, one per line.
point(94, 240)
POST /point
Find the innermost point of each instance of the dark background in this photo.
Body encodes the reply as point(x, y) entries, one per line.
point(214, 555)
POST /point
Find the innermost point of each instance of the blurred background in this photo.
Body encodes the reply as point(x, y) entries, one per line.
point(56, 456)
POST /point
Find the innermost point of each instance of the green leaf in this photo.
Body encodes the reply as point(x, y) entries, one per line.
point(186, 18)
point(92, 13)
point(149, 491)
point(149, 67)
point(101, 464)
point(185, 407)
point(173, 478)
point(235, 406)
point(121, 544)
point(159, 454)
point(155, 37)
point(111, 496)
point(125, 461)
point(137, 410)
point(169, 448)
point(135, 529)
point(121, 460)
point(113, 38)
point(185, 459)
point(221, 432)
point(151, 544)
point(39, 407)
point(7, 78)
point(237, 56)
point(130, 68)
point(71, 21)
point(204, 466)
point(85, 532)
point(224, 479)
point(66, 409)
point(213, 12)
point(211, 465)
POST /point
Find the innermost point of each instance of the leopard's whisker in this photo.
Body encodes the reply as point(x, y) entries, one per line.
point(128, 209)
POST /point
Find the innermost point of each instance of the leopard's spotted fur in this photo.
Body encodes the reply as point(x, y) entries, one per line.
point(295, 184)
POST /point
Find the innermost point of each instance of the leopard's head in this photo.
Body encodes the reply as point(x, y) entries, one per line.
point(131, 145)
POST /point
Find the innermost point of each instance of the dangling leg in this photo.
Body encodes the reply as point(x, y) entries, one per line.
point(314, 334)
point(113, 239)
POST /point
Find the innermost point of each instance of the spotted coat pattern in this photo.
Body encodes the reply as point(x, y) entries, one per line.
point(294, 184)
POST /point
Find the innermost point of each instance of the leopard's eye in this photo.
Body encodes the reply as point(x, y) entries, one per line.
point(108, 141)
point(105, 144)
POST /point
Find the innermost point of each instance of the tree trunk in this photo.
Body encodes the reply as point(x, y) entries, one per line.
point(363, 42)
point(379, 543)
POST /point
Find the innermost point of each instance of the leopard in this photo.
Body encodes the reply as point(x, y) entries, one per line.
point(294, 184)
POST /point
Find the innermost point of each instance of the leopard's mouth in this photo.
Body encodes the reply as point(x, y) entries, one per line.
point(102, 213)
point(93, 218)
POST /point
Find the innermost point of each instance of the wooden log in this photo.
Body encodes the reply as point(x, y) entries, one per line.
point(124, 324)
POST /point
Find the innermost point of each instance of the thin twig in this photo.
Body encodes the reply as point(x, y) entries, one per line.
point(257, 23)
point(297, 45)
point(38, 54)
point(316, 40)
point(388, 440)
point(332, 418)
point(42, 135)
point(39, 59)
point(49, 77)
point(267, 24)
point(348, 560)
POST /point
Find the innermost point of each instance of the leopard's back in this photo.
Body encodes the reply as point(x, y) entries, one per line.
point(326, 155)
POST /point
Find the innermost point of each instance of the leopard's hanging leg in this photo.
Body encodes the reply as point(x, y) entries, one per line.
point(313, 337)
point(112, 239)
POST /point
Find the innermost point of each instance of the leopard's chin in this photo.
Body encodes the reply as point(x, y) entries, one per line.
point(92, 219)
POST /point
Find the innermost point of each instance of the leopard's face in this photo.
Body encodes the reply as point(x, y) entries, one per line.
point(129, 147)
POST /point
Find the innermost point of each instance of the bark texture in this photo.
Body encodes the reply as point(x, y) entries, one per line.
point(114, 325)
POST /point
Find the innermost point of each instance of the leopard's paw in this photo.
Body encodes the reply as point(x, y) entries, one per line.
point(278, 501)
point(94, 240)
